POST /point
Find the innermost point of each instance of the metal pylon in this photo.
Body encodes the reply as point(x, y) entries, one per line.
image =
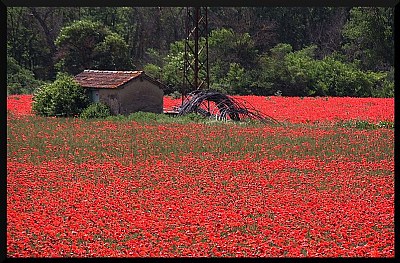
point(196, 73)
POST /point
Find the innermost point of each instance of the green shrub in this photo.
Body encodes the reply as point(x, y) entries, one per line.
point(334, 78)
point(96, 110)
point(300, 73)
point(63, 97)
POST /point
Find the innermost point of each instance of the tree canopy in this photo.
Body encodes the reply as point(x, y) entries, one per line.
point(293, 51)
point(86, 44)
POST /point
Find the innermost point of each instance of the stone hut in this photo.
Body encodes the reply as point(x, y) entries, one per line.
point(123, 91)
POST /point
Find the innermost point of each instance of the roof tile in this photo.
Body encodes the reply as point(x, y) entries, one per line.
point(105, 79)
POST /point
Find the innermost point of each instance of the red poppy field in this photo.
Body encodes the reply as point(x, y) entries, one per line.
point(317, 185)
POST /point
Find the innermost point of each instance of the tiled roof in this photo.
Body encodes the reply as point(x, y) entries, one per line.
point(105, 79)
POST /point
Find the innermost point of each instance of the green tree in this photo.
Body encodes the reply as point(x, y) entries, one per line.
point(270, 76)
point(306, 26)
point(25, 41)
point(108, 53)
point(227, 46)
point(235, 82)
point(368, 36)
point(230, 53)
point(170, 68)
point(20, 80)
point(85, 44)
point(31, 32)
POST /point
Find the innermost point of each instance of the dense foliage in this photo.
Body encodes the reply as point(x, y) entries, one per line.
point(90, 45)
point(19, 79)
point(299, 73)
point(63, 97)
point(96, 110)
point(293, 51)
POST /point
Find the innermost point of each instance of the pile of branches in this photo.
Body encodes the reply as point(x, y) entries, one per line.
point(227, 108)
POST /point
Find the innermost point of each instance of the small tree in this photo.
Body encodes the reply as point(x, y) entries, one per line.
point(63, 97)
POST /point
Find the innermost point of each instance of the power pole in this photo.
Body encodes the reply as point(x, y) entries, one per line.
point(196, 70)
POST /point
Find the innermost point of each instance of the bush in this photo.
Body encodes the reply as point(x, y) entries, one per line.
point(299, 73)
point(386, 89)
point(96, 110)
point(334, 78)
point(63, 97)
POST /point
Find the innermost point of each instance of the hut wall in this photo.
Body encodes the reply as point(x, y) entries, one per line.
point(136, 95)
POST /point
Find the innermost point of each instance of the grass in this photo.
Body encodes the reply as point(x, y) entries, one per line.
point(142, 136)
